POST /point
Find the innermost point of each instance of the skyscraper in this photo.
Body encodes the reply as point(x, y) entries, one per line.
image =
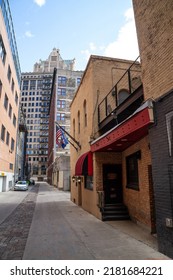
point(35, 97)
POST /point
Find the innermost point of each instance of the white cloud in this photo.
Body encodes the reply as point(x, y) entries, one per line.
point(90, 50)
point(86, 53)
point(92, 46)
point(29, 34)
point(126, 45)
point(40, 2)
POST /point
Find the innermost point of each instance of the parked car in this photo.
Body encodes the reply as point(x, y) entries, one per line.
point(21, 186)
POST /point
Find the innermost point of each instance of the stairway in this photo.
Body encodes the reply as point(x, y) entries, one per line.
point(114, 212)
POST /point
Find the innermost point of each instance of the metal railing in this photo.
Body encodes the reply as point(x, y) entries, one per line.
point(100, 199)
point(127, 84)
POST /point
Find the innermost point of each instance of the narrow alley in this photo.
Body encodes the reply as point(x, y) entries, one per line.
point(46, 225)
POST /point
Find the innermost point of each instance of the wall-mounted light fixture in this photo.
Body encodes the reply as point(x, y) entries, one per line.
point(79, 179)
point(73, 179)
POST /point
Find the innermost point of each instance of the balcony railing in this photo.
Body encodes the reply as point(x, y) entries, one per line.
point(124, 88)
point(100, 199)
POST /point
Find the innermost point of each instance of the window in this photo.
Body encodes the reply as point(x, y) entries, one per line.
point(25, 84)
point(32, 84)
point(16, 98)
point(62, 91)
point(10, 111)
point(39, 84)
point(60, 117)
point(3, 133)
point(122, 95)
point(0, 88)
point(11, 166)
point(78, 122)
point(61, 104)
point(12, 85)
point(74, 128)
point(89, 182)
point(12, 144)
point(7, 138)
point(132, 170)
point(78, 81)
point(85, 113)
point(2, 50)
point(9, 73)
point(62, 81)
point(5, 102)
point(14, 120)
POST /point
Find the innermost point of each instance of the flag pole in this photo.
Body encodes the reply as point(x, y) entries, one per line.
point(69, 135)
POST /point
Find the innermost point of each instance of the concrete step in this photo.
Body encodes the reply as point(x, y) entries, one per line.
point(113, 212)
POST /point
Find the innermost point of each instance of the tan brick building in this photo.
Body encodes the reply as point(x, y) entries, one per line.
point(110, 120)
point(155, 41)
point(9, 97)
point(154, 24)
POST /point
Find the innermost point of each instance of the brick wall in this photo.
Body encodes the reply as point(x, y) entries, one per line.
point(154, 20)
point(138, 202)
point(154, 24)
point(100, 75)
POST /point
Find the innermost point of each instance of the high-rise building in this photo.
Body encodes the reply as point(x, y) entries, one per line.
point(35, 96)
point(9, 97)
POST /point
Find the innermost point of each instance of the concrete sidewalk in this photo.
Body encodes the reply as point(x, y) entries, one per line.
point(61, 230)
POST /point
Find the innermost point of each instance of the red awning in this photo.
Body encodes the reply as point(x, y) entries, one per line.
point(125, 134)
point(84, 165)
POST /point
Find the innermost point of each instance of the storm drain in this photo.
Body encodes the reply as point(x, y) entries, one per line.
point(15, 228)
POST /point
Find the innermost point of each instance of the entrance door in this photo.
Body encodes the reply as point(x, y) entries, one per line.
point(112, 183)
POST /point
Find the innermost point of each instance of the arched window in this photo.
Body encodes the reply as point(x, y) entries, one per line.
point(78, 116)
point(85, 113)
point(74, 128)
point(122, 95)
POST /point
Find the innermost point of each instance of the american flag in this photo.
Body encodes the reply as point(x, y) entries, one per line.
point(58, 135)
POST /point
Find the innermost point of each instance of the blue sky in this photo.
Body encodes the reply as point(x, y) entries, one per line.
point(78, 28)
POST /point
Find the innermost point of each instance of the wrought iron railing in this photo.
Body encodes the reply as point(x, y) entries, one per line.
point(100, 199)
point(126, 85)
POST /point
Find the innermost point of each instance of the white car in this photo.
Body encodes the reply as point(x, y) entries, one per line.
point(21, 186)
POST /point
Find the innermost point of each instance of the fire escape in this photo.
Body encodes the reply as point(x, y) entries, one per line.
point(44, 121)
point(23, 131)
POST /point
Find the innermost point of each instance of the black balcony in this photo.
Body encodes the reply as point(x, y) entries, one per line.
point(122, 100)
